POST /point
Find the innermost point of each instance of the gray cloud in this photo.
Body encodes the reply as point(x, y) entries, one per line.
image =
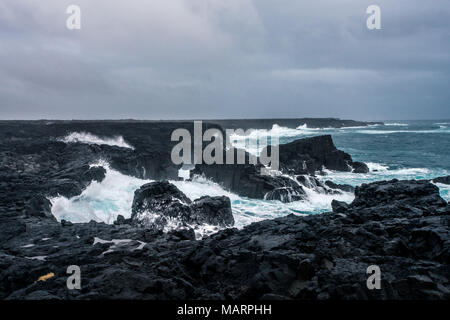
point(224, 58)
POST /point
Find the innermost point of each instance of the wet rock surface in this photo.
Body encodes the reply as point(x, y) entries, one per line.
point(309, 155)
point(400, 226)
point(33, 157)
point(156, 203)
point(343, 187)
point(360, 167)
point(444, 180)
point(299, 159)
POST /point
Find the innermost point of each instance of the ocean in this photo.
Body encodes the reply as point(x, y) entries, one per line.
point(397, 149)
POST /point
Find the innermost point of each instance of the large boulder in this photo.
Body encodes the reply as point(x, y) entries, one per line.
point(311, 182)
point(212, 210)
point(306, 156)
point(247, 181)
point(156, 202)
point(360, 167)
point(408, 198)
point(159, 203)
point(301, 157)
point(343, 187)
point(339, 206)
point(312, 154)
point(95, 173)
point(286, 194)
point(444, 180)
point(39, 206)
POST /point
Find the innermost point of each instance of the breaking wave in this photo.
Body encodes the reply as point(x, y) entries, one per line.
point(100, 201)
point(379, 171)
point(444, 190)
point(104, 201)
point(442, 129)
point(257, 139)
point(86, 137)
point(396, 124)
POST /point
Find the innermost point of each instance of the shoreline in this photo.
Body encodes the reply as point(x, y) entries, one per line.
point(320, 256)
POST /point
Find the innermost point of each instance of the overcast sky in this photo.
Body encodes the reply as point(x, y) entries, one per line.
point(184, 59)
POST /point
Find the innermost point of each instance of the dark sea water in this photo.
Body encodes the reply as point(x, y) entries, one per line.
point(414, 144)
point(397, 149)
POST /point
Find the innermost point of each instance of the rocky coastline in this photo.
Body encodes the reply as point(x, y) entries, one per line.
point(400, 226)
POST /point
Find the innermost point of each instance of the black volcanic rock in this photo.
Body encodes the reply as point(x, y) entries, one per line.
point(444, 180)
point(360, 167)
point(388, 198)
point(400, 226)
point(156, 202)
point(95, 173)
point(306, 156)
point(212, 210)
point(343, 187)
point(301, 157)
point(39, 206)
point(323, 256)
point(153, 195)
point(34, 160)
point(247, 181)
point(286, 194)
point(311, 182)
point(339, 206)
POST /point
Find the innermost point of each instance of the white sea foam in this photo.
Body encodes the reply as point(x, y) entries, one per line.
point(246, 211)
point(440, 130)
point(104, 201)
point(378, 172)
point(374, 167)
point(260, 135)
point(361, 127)
point(40, 258)
point(116, 243)
point(396, 124)
point(101, 202)
point(444, 190)
point(86, 137)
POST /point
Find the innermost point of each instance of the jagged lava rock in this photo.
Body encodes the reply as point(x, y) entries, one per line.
point(212, 210)
point(246, 180)
point(410, 197)
point(339, 206)
point(343, 187)
point(360, 167)
point(156, 202)
point(444, 180)
point(322, 256)
point(308, 155)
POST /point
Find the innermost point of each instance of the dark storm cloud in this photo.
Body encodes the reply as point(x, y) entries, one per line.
point(224, 58)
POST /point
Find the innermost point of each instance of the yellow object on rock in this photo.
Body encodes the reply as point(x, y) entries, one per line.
point(46, 277)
